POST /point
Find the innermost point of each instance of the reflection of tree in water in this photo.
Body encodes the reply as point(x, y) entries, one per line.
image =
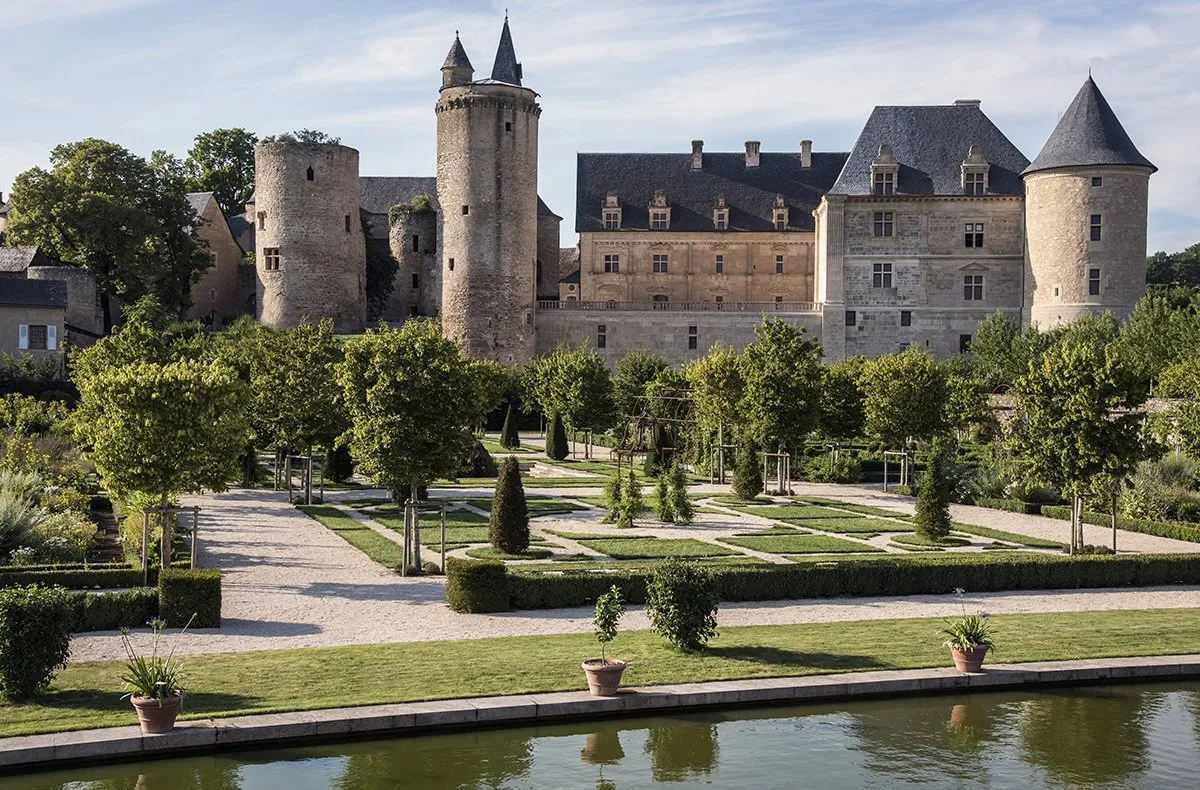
point(915, 738)
point(682, 749)
point(468, 760)
point(193, 773)
point(1088, 736)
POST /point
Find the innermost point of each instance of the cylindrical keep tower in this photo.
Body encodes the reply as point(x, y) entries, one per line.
point(309, 248)
point(1085, 217)
point(487, 145)
point(412, 238)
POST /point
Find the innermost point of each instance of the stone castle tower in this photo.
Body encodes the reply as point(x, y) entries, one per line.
point(309, 247)
point(487, 148)
point(1085, 217)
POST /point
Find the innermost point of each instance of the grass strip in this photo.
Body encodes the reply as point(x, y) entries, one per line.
point(495, 448)
point(595, 535)
point(866, 510)
point(1011, 537)
point(849, 525)
point(587, 563)
point(636, 549)
point(913, 539)
point(799, 544)
point(490, 553)
point(357, 534)
point(793, 512)
point(87, 695)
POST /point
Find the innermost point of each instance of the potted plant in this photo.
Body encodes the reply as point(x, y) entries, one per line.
point(603, 673)
point(153, 682)
point(969, 638)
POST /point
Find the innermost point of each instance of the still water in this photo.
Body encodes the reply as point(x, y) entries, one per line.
point(1145, 736)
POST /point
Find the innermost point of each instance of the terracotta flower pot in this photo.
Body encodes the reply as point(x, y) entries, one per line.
point(157, 718)
point(969, 660)
point(603, 675)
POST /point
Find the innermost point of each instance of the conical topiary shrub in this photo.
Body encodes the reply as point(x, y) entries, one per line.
point(556, 440)
point(509, 438)
point(632, 503)
point(684, 512)
point(508, 527)
point(664, 506)
point(932, 520)
point(614, 494)
point(339, 464)
point(747, 474)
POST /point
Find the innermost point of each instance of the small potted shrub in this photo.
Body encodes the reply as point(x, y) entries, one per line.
point(969, 638)
point(603, 673)
point(153, 683)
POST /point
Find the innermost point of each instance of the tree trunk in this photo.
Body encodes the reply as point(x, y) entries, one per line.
point(164, 550)
point(779, 473)
point(416, 527)
point(1114, 521)
point(106, 312)
point(308, 477)
point(721, 453)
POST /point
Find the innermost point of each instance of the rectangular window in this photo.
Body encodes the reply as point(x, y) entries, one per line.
point(883, 224)
point(658, 220)
point(612, 264)
point(721, 220)
point(973, 183)
point(964, 344)
point(659, 264)
point(416, 243)
point(780, 220)
point(851, 318)
point(881, 275)
point(720, 264)
point(885, 183)
point(466, 210)
point(973, 235)
point(779, 264)
point(415, 280)
point(973, 287)
point(601, 335)
point(1097, 181)
point(906, 318)
point(271, 259)
point(693, 338)
point(612, 220)
point(450, 264)
point(720, 300)
point(778, 300)
point(1093, 282)
point(1096, 224)
point(660, 301)
point(508, 126)
point(347, 223)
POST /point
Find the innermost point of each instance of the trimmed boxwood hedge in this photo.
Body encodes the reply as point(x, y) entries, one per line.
point(184, 592)
point(78, 578)
point(1011, 505)
point(1163, 529)
point(526, 588)
point(477, 585)
point(109, 609)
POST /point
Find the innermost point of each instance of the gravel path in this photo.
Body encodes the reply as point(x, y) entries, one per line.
point(289, 582)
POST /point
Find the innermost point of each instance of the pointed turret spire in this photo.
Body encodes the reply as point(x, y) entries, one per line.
point(1089, 134)
point(457, 70)
point(506, 67)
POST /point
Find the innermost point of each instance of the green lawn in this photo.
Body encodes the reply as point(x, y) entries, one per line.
point(798, 544)
point(725, 499)
point(489, 553)
point(849, 525)
point(793, 512)
point(866, 510)
point(88, 695)
point(495, 448)
point(1011, 537)
point(847, 556)
point(913, 539)
point(640, 548)
point(595, 535)
point(358, 535)
point(536, 505)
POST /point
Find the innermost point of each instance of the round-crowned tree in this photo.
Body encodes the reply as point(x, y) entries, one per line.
point(508, 527)
point(681, 600)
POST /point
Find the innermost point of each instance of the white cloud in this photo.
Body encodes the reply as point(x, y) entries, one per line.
point(35, 12)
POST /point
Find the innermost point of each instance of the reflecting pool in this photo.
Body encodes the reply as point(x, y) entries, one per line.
point(1120, 736)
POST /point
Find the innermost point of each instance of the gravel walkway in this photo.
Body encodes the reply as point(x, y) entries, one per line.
point(289, 582)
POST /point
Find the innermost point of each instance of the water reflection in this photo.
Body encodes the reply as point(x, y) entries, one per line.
point(683, 748)
point(470, 760)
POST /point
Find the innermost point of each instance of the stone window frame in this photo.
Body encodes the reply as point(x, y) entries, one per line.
point(347, 223)
point(721, 219)
point(975, 181)
point(780, 214)
point(1097, 181)
point(601, 335)
point(719, 264)
point(882, 274)
point(778, 299)
point(851, 318)
point(884, 224)
point(719, 300)
point(973, 235)
point(1094, 275)
point(778, 264)
point(906, 318)
point(883, 182)
point(1096, 227)
point(660, 219)
point(612, 263)
point(693, 338)
point(271, 259)
point(973, 287)
point(660, 263)
point(660, 301)
point(610, 212)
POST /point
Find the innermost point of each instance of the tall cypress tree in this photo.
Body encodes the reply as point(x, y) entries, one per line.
point(684, 512)
point(508, 527)
point(747, 474)
point(556, 440)
point(509, 438)
point(932, 520)
point(664, 506)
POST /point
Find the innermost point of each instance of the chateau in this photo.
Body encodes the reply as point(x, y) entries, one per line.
point(933, 221)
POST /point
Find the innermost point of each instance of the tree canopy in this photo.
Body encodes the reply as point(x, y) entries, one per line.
point(782, 371)
point(905, 397)
point(222, 162)
point(574, 384)
point(717, 386)
point(634, 371)
point(297, 397)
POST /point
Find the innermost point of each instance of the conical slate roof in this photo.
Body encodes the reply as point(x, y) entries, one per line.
point(1088, 134)
point(506, 68)
point(457, 57)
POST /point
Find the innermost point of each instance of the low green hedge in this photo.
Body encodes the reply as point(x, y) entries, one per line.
point(477, 585)
point(184, 592)
point(109, 609)
point(78, 578)
point(1163, 529)
point(1011, 505)
point(910, 575)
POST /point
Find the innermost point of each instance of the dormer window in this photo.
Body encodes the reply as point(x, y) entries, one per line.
point(780, 214)
point(975, 172)
point(612, 212)
point(660, 212)
point(721, 215)
point(884, 172)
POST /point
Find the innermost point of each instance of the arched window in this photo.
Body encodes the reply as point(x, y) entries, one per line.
point(310, 173)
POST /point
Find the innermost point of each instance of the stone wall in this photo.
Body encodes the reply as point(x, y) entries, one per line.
point(665, 332)
point(315, 226)
point(216, 292)
point(83, 311)
point(417, 287)
point(1059, 204)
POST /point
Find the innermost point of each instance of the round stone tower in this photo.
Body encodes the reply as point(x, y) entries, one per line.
point(487, 144)
point(1085, 217)
point(309, 247)
point(412, 239)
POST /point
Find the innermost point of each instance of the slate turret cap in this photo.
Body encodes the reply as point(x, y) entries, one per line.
point(506, 67)
point(457, 57)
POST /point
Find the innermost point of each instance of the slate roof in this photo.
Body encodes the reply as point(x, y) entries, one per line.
point(198, 200)
point(33, 293)
point(568, 264)
point(1089, 134)
point(930, 144)
point(506, 68)
point(748, 191)
point(17, 259)
point(544, 210)
point(457, 57)
point(377, 194)
point(4, 207)
point(242, 229)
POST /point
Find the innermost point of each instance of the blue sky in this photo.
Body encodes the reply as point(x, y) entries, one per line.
point(616, 75)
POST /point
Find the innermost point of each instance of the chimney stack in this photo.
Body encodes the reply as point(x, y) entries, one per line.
point(697, 154)
point(966, 102)
point(752, 147)
point(806, 153)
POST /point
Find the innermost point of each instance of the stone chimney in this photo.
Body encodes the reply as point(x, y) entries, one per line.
point(752, 147)
point(806, 153)
point(697, 154)
point(966, 102)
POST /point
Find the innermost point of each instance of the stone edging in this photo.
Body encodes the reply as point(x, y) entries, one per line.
point(34, 752)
